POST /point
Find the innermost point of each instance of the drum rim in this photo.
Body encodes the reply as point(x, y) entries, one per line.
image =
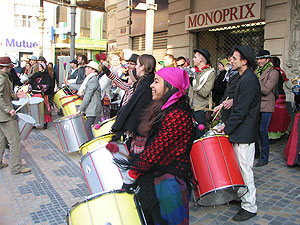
point(96, 195)
point(94, 139)
point(91, 152)
point(219, 189)
point(71, 101)
point(217, 135)
point(20, 115)
point(66, 96)
point(108, 120)
point(63, 119)
point(62, 88)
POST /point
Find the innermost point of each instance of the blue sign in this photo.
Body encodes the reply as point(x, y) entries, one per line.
point(20, 44)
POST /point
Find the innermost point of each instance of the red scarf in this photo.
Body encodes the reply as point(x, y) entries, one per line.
point(282, 73)
point(204, 67)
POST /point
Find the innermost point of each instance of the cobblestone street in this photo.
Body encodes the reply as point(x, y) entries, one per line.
point(44, 195)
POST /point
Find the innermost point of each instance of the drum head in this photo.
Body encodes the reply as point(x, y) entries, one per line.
point(26, 118)
point(35, 100)
point(21, 101)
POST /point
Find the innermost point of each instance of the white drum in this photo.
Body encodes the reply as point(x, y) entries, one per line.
point(71, 132)
point(20, 102)
point(37, 111)
point(100, 171)
point(25, 124)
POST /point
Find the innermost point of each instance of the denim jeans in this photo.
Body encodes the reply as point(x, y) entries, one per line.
point(265, 119)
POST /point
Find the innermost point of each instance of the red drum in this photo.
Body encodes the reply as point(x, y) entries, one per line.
point(216, 170)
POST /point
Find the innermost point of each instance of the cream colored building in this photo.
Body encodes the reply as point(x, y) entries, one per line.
point(268, 24)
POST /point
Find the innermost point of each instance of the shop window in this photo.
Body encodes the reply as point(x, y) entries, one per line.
point(219, 42)
point(85, 18)
point(160, 41)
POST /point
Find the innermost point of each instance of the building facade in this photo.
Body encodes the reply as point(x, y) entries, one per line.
point(23, 34)
point(215, 25)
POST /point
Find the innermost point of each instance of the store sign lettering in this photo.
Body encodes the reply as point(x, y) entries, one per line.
point(229, 15)
point(20, 44)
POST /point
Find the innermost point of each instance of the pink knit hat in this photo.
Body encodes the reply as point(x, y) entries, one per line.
point(177, 77)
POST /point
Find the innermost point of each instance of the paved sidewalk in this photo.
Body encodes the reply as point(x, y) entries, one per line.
point(56, 183)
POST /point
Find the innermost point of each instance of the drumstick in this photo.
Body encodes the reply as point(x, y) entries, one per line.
point(22, 105)
point(218, 112)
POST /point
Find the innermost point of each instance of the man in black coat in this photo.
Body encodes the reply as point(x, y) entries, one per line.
point(242, 125)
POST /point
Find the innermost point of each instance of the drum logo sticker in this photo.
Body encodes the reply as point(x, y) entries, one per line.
point(88, 169)
point(66, 127)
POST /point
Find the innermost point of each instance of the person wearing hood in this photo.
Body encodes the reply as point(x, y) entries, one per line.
point(91, 92)
point(41, 85)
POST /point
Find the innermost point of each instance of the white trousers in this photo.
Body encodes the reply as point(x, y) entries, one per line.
point(245, 156)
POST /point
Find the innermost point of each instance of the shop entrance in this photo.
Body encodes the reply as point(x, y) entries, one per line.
point(220, 41)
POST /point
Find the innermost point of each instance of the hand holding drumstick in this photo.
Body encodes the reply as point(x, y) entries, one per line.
point(218, 109)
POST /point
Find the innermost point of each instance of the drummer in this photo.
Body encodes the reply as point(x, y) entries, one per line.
point(163, 169)
point(242, 125)
point(8, 125)
point(90, 89)
point(41, 85)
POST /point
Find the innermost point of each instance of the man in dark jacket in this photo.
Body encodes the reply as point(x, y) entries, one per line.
point(242, 125)
point(82, 61)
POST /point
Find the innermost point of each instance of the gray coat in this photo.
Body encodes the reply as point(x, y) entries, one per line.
point(91, 104)
point(5, 98)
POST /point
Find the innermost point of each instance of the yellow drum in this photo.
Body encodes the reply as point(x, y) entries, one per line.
point(113, 207)
point(68, 98)
point(71, 107)
point(95, 143)
point(104, 127)
point(61, 92)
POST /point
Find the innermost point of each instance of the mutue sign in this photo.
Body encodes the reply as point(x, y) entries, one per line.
point(20, 44)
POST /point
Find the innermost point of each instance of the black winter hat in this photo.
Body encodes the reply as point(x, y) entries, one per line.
point(247, 52)
point(203, 52)
point(133, 57)
point(263, 54)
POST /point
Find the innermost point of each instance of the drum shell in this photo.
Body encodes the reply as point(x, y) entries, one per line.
point(105, 127)
point(25, 125)
point(216, 168)
point(37, 111)
point(58, 95)
point(71, 107)
point(24, 109)
point(95, 144)
point(71, 132)
point(115, 208)
point(100, 171)
point(67, 98)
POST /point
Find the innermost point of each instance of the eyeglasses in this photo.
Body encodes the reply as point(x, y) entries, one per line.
point(181, 65)
point(131, 63)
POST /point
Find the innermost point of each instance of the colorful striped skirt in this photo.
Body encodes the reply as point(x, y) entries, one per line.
point(173, 196)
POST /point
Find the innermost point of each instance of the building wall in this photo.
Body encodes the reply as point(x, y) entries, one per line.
point(277, 15)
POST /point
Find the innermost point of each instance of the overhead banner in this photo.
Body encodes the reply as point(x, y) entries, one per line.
point(234, 14)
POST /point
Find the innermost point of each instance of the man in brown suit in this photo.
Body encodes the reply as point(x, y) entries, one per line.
point(268, 79)
point(8, 125)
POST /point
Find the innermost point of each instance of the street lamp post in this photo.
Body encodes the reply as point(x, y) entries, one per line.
point(41, 20)
point(73, 34)
point(149, 7)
